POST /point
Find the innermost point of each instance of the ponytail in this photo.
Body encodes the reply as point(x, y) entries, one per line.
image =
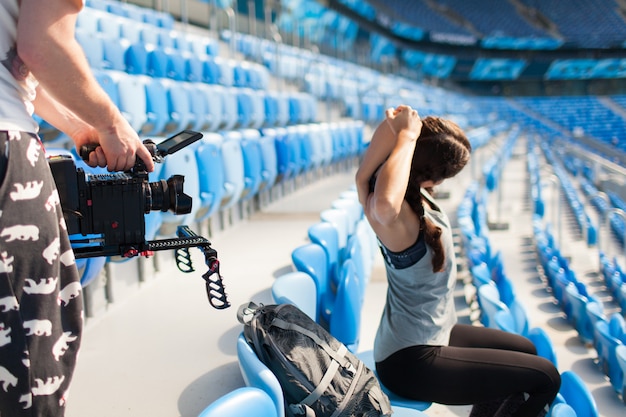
point(442, 150)
point(432, 236)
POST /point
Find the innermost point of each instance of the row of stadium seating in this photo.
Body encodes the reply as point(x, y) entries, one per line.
point(595, 25)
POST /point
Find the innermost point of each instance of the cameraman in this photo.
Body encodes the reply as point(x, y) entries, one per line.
point(44, 69)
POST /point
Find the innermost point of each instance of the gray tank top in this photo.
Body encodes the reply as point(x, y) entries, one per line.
point(420, 303)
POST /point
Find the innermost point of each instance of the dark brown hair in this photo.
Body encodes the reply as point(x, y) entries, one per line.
point(442, 150)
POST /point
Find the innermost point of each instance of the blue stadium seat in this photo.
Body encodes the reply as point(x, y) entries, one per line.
point(157, 109)
point(543, 343)
point(108, 84)
point(311, 259)
point(242, 402)
point(136, 58)
point(230, 107)
point(244, 107)
point(606, 345)
point(114, 57)
point(211, 71)
point(577, 395)
point(269, 173)
point(490, 304)
point(562, 410)
point(179, 105)
point(339, 219)
point(132, 99)
point(157, 62)
point(325, 234)
point(211, 174)
point(93, 46)
point(297, 288)
point(620, 354)
point(345, 318)
point(256, 374)
point(199, 106)
point(257, 119)
point(252, 162)
point(234, 176)
point(215, 106)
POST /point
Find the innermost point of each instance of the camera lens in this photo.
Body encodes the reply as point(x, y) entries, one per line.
point(168, 195)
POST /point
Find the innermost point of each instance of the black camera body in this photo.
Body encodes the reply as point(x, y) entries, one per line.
point(113, 204)
point(105, 213)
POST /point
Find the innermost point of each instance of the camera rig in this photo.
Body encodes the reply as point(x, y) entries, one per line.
point(105, 213)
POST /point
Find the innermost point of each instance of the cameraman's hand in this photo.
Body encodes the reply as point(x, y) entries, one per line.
point(118, 148)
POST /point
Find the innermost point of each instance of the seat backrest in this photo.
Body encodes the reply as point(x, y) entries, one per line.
point(242, 402)
point(132, 95)
point(234, 178)
point(595, 313)
point(230, 107)
point(267, 142)
point(354, 210)
point(136, 58)
point(252, 162)
point(577, 395)
point(284, 166)
point(198, 106)
point(256, 374)
point(620, 356)
point(211, 174)
point(354, 252)
point(311, 259)
point(325, 234)
point(297, 288)
point(115, 54)
point(215, 105)
point(504, 321)
point(520, 316)
point(108, 84)
point(345, 318)
point(489, 304)
point(179, 105)
point(93, 46)
point(480, 274)
point(562, 410)
point(544, 345)
point(339, 218)
point(617, 326)
point(157, 111)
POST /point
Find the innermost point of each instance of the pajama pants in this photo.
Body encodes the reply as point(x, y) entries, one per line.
point(40, 292)
point(480, 366)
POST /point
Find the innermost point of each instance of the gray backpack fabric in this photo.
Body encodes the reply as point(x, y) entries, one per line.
point(317, 373)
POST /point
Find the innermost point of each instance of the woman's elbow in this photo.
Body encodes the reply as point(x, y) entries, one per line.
point(384, 211)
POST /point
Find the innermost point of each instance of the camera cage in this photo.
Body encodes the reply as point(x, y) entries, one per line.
point(101, 243)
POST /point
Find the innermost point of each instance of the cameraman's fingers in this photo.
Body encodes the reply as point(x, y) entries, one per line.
point(97, 158)
point(146, 157)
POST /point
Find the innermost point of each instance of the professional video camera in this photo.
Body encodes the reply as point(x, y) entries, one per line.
point(105, 213)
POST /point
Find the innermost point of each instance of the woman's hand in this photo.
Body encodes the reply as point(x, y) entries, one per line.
point(404, 118)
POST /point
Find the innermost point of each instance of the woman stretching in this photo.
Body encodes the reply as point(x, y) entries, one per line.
point(420, 351)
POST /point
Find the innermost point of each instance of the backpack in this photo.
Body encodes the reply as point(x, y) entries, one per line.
point(319, 376)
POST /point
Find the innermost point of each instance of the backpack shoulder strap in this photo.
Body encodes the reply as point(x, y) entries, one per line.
point(338, 356)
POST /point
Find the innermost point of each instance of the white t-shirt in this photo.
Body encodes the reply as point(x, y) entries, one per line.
point(17, 84)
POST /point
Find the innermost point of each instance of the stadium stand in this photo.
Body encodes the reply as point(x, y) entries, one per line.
point(286, 115)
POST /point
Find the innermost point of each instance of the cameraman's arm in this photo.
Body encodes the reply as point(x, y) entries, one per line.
point(47, 45)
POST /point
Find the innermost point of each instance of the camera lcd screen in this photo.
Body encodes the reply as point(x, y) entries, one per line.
point(178, 141)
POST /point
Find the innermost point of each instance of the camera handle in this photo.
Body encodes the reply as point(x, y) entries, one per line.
point(186, 239)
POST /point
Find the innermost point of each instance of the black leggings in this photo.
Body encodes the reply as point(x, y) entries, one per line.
point(480, 366)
